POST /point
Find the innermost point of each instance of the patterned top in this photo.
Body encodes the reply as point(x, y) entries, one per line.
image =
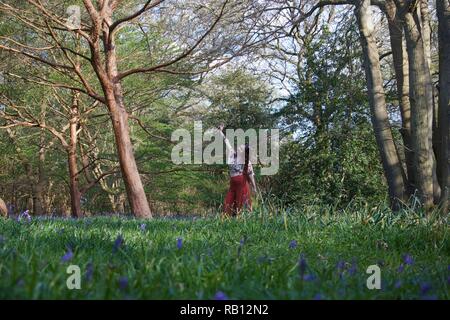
point(237, 169)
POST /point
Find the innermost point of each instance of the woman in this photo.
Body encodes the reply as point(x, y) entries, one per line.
point(241, 174)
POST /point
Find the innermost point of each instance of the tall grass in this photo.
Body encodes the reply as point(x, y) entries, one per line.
point(313, 251)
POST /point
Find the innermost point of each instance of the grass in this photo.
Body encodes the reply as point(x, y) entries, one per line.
point(253, 257)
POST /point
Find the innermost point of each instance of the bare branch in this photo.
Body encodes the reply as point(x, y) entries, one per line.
point(180, 57)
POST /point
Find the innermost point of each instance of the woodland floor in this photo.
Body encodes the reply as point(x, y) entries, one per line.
point(285, 257)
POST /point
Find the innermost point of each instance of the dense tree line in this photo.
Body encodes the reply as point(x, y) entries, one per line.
point(359, 89)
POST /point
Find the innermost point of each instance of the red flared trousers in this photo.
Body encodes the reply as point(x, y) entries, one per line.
point(238, 196)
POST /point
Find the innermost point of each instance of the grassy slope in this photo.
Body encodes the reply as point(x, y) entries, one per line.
point(213, 258)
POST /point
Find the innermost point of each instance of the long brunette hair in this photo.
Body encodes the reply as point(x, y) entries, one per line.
point(247, 159)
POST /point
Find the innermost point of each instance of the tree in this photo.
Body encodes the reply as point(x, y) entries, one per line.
point(421, 150)
point(388, 152)
point(400, 61)
point(3, 208)
point(421, 109)
point(67, 135)
point(99, 31)
point(443, 11)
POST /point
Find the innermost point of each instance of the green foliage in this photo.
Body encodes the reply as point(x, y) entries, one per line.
point(330, 155)
point(348, 170)
point(239, 100)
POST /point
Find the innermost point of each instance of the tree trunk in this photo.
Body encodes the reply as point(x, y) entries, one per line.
point(39, 187)
point(391, 164)
point(120, 202)
point(426, 39)
point(443, 12)
point(130, 174)
point(114, 99)
point(75, 194)
point(420, 82)
point(3, 209)
point(400, 59)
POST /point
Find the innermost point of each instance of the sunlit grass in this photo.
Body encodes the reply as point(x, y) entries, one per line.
point(252, 257)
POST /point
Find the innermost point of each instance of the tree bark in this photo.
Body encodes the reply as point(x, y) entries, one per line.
point(112, 89)
point(75, 194)
point(443, 12)
point(400, 59)
point(420, 81)
point(132, 179)
point(432, 114)
point(3, 209)
point(391, 164)
point(39, 187)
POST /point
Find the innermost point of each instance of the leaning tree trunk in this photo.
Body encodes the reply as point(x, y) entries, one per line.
point(400, 59)
point(75, 194)
point(112, 89)
point(443, 12)
point(132, 180)
point(391, 164)
point(420, 78)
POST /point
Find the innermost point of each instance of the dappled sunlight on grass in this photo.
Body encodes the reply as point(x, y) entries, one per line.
point(293, 255)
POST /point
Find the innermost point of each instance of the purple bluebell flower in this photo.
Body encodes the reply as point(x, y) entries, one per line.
point(448, 280)
point(143, 227)
point(89, 271)
point(302, 265)
point(293, 244)
point(242, 242)
point(220, 296)
point(24, 216)
point(432, 297)
point(309, 277)
point(401, 268)
point(67, 256)
point(408, 260)
point(318, 297)
point(425, 288)
point(118, 243)
point(20, 283)
point(123, 283)
point(340, 265)
point(353, 269)
point(179, 243)
point(397, 284)
point(2, 239)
